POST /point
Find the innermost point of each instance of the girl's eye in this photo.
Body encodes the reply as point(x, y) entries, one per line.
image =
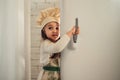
point(57, 28)
point(50, 28)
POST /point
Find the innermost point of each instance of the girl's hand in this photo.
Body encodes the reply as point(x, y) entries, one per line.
point(72, 31)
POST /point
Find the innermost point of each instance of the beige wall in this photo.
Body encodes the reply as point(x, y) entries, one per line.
point(12, 61)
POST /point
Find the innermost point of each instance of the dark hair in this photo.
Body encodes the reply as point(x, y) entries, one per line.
point(44, 36)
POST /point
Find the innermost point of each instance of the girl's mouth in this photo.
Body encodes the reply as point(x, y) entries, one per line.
point(55, 35)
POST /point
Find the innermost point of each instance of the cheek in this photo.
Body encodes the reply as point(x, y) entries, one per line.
point(59, 31)
point(48, 33)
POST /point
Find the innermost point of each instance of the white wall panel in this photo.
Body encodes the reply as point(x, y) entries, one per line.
point(97, 54)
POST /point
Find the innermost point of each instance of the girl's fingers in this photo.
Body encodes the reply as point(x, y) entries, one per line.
point(78, 31)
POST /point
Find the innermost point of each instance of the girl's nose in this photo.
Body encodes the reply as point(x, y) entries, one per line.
point(54, 30)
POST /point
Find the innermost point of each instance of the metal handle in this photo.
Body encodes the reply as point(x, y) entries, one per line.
point(76, 26)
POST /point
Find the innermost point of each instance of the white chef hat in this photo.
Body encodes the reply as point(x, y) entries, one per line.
point(48, 15)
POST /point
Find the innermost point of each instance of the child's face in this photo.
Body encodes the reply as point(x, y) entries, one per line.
point(52, 31)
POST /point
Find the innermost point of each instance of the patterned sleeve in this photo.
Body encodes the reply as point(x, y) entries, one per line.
point(50, 47)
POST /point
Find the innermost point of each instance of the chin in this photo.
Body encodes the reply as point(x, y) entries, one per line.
point(56, 39)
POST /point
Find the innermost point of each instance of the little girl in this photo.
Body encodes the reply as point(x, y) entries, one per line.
point(52, 44)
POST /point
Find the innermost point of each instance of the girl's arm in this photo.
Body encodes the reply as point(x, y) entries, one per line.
point(51, 47)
